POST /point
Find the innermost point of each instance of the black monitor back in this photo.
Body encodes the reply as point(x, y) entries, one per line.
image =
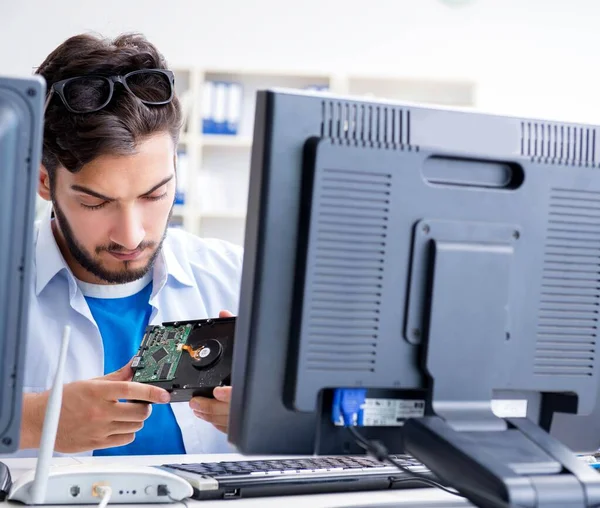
point(21, 114)
point(356, 210)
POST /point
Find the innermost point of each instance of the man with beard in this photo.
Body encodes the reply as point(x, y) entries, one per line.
point(105, 262)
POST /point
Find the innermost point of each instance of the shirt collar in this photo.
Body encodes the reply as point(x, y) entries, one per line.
point(49, 260)
point(172, 262)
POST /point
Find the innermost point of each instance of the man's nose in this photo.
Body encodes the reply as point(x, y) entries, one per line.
point(129, 231)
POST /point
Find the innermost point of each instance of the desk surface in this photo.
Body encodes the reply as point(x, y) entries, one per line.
point(411, 497)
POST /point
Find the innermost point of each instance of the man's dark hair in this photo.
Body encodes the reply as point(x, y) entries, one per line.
point(73, 140)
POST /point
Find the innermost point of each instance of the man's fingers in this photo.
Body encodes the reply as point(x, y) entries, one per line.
point(130, 412)
point(216, 420)
point(209, 406)
point(116, 440)
point(125, 373)
point(136, 391)
point(222, 393)
point(125, 427)
point(225, 313)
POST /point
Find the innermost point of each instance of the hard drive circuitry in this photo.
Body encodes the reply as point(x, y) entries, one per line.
point(160, 353)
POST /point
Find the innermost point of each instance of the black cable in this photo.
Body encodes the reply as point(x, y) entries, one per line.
point(424, 479)
point(383, 457)
point(380, 452)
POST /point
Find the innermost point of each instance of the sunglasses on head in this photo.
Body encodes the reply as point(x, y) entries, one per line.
point(87, 94)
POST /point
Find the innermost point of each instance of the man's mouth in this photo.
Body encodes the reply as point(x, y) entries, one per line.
point(126, 255)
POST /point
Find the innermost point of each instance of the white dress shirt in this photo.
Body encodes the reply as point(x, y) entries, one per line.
point(193, 278)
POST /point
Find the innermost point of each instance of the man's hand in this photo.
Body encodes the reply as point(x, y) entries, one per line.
point(91, 416)
point(215, 411)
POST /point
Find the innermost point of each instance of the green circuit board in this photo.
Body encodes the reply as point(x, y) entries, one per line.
point(159, 353)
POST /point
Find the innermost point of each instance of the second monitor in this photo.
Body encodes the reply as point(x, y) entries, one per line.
point(21, 126)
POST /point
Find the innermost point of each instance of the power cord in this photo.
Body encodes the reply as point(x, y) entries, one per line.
point(105, 492)
point(182, 501)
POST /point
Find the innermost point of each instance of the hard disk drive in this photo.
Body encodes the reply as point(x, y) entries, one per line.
point(186, 358)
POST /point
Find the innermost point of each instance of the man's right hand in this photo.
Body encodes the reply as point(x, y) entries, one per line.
point(91, 416)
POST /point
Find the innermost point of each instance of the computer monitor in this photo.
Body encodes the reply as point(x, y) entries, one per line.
point(21, 126)
point(433, 256)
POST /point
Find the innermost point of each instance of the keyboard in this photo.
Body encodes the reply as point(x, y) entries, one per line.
point(259, 478)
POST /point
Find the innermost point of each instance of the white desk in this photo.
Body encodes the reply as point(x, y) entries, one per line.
point(421, 498)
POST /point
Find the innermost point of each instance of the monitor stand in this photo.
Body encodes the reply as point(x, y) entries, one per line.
point(517, 465)
point(490, 460)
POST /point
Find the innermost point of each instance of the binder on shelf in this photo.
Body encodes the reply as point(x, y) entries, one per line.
point(221, 107)
point(234, 105)
point(181, 177)
point(208, 93)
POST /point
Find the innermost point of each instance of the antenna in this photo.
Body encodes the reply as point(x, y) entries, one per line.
point(50, 427)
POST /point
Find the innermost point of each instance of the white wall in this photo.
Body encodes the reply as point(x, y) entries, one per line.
point(533, 57)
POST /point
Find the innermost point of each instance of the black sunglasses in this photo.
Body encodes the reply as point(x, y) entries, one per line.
point(87, 94)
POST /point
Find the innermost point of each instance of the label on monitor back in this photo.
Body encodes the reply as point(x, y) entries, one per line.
point(391, 412)
point(386, 412)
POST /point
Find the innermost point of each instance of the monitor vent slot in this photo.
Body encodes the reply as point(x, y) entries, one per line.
point(568, 314)
point(559, 144)
point(365, 124)
point(349, 244)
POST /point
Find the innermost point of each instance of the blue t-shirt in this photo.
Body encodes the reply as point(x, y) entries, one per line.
point(122, 322)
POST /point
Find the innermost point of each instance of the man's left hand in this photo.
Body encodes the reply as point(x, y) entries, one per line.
point(215, 411)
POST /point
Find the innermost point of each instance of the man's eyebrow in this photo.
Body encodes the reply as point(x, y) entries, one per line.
point(158, 185)
point(85, 190)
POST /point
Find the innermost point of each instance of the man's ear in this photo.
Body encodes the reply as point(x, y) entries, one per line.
point(44, 183)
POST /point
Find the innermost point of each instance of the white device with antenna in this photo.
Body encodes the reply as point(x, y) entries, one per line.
point(89, 483)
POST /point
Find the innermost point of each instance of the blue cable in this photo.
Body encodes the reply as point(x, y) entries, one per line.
point(348, 403)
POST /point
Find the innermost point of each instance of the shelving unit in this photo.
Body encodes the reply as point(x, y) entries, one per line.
point(216, 176)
